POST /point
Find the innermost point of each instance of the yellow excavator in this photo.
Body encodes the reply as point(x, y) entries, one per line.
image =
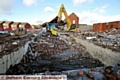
point(70, 26)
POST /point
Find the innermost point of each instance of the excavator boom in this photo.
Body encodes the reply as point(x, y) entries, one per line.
point(62, 10)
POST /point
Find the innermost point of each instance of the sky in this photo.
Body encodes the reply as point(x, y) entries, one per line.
point(40, 11)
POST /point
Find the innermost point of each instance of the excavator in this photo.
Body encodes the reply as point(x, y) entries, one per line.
point(70, 26)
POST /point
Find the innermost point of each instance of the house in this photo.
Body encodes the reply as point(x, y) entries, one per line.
point(74, 19)
point(7, 25)
point(100, 27)
point(1, 25)
point(15, 25)
point(25, 25)
point(114, 24)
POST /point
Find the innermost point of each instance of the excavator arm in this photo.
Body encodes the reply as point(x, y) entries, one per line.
point(62, 10)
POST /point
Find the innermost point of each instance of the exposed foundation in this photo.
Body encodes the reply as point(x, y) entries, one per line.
point(11, 59)
point(107, 56)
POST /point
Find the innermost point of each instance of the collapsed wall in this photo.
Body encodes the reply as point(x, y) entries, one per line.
point(12, 49)
point(10, 59)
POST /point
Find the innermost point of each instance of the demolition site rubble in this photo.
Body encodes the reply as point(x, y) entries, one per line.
point(58, 55)
point(109, 39)
point(9, 43)
point(53, 55)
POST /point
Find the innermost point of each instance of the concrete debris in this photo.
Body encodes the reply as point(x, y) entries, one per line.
point(11, 50)
point(8, 42)
point(14, 43)
point(52, 55)
point(112, 37)
point(108, 39)
point(3, 32)
point(99, 73)
point(90, 37)
point(62, 55)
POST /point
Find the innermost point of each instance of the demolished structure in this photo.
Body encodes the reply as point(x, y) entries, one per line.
point(79, 56)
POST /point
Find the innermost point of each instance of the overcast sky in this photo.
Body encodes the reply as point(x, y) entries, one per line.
point(39, 11)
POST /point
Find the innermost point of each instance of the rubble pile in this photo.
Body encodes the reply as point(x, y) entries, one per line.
point(9, 43)
point(98, 73)
point(34, 31)
point(12, 49)
point(51, 53)
point(108, 39)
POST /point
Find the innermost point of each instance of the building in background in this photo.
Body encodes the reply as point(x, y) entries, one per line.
point(7, 25)
point(15, 25)
point(11, 26)
point(25, 25)
point(1, 25)
point(74, 19)
point(85, 27)
point(100, 27)
point(115, 24)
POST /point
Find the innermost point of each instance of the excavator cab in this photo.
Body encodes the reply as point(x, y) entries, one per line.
point(73, 26)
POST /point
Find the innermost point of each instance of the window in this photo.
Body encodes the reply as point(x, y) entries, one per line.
point(73, 21)
point(111, 26)
point(106, 26)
